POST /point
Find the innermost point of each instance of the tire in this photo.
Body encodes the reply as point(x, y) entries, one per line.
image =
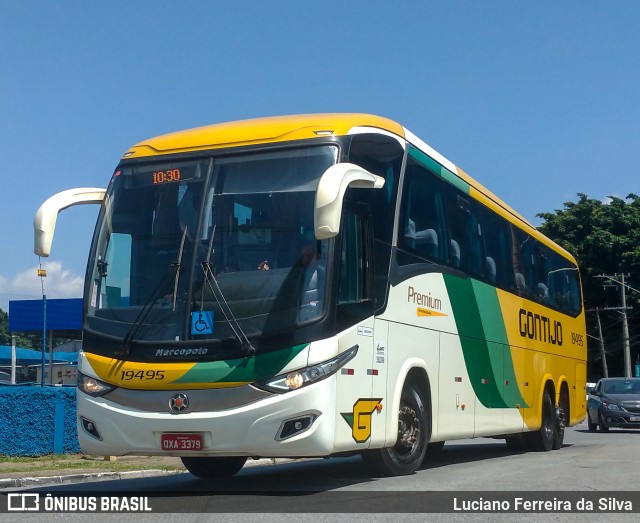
point(601, 424)
point(406, 456)
point(542, 439)
point(212, 468)
point(592, 426)
point(562, 420)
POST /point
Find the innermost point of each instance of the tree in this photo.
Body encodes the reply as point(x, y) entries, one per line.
point(605, 239)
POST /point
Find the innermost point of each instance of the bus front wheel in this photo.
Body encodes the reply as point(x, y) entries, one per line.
point(212, 468)
point(411, 446)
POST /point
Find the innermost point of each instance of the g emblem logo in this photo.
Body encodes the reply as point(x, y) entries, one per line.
point(360, 419)
point(179, 402)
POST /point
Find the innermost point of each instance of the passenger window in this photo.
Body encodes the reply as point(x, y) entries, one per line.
point(562, 280)
point(380, 155)
point(496, 240)
point(467, 250)
point(542, 275)
point(524, 264)
point(422, 222)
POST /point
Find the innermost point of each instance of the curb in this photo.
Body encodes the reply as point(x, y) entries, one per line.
point(44, 481)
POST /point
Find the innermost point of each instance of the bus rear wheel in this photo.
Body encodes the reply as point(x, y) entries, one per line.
point(411, 446)
point(212, 468)
point(562, 419)
point(542, 439)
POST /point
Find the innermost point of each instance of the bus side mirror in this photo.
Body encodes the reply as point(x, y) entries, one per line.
point(44, 223)
point(330, 193)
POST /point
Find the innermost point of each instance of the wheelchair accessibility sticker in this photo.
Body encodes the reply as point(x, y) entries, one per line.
point(202, 322)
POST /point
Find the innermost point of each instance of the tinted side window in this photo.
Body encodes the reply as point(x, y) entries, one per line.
point(381, 155)
point(422, 229)
point(524, 263)
point(466, 245)
point(561, 282)
point(542, 275)
point(496, 238)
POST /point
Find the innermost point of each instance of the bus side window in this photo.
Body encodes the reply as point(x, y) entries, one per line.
point(563, 283)
point(380, 155)
point(466, 232)
point(525, 262)
point(496, 247)
point(422, 222)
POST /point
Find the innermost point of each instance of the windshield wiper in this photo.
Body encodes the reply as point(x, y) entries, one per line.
point(174, 270)
point(225, 308)
point(247, 348)
point(178, 263)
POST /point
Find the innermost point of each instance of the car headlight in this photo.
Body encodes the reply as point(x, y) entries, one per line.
point(93, 386)
point(610, 406)
point(308, 375)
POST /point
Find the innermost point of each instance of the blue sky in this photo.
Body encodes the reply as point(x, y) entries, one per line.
point(538, 100)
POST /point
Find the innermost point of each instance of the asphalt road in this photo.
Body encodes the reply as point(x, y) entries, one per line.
point(590, 465)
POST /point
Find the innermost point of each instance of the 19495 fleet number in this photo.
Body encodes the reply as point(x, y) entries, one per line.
point(128, 375)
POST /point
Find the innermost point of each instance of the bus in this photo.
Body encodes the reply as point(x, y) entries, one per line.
point(311, 286)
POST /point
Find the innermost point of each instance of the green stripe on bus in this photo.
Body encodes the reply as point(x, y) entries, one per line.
point(434, 166)
point(484, 341)
point(495, 331)
point(458, 182)
point(241, 370)
point(484, 366)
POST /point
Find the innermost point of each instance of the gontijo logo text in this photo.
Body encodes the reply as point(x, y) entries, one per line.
point(540, 328)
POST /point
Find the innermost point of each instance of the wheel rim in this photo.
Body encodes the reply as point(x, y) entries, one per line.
point(408, 431)
point(561, 419)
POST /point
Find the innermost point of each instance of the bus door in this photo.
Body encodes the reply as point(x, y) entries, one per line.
point(358, 402)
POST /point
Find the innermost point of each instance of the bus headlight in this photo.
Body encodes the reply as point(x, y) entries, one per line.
point(92, 386)
point(303, 377)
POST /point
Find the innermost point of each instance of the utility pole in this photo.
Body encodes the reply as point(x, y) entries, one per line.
point(625, 324)
point(605, 369)
point(625, 330)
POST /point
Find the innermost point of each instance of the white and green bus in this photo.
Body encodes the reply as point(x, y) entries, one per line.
point(316, 285)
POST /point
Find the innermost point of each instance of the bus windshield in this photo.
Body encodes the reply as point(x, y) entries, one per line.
point(209, 249)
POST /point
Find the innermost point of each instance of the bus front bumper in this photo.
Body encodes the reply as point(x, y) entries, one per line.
point(295, 424)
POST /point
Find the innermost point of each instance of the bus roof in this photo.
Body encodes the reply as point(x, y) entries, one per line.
point(300, 127)
point(260, 130)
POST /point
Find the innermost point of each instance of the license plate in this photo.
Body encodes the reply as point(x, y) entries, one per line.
point(173, 441)
point(634, 418)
